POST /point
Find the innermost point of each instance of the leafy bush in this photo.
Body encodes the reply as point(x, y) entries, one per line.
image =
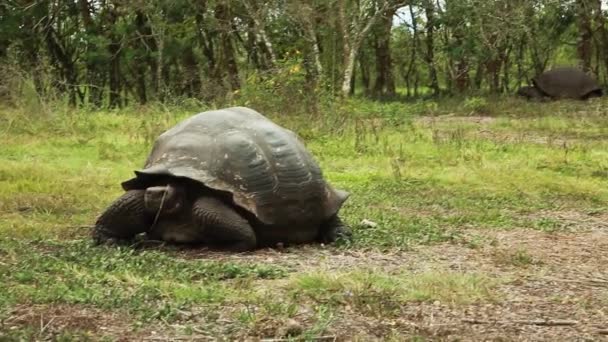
point(284, 89)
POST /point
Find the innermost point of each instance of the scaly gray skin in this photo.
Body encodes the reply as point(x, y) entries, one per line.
point(531, 93)
point(173, 213)
point(593, 94)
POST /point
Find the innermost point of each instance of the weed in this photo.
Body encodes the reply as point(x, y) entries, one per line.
point(518, 258)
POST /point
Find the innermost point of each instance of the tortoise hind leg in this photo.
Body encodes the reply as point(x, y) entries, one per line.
point(593, 94)
point(334, 229)
point(123, 219)
point(222, 226)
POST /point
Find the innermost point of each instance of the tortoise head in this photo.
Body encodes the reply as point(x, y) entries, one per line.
point(167, 199)
point(530, 92)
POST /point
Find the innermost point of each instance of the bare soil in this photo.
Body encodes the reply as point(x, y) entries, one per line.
point(50, 320)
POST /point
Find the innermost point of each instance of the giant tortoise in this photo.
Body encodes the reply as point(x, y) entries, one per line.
point(229, 179)
point(562, 83)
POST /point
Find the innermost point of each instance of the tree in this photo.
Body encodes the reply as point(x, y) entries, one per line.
point(384, 86)
point(109, 52)
point(584, 16)
point(429, 11)
point(356, 20)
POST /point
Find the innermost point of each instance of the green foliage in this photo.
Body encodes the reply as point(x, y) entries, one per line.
point(289, 53)
point(476, 105)
point(284, 90)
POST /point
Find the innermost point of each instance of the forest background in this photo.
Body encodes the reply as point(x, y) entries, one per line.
point(111, 53)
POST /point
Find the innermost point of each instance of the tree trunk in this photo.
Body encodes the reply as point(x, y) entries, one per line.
point(259, 31)
point(601, 21)
point(206, 38)
point(64, 63)
point(413, 54)
point(506, 69)
point(353, 34)
point(227, 66)
point(429, 9)
point(349, 68)
point(157, 31)
point(365, 77)
point(313, 41)
point(585, 32)
point(479, 75)
point(143, 59)
point(31, 46)
point(521, 48)
point(384, 85)
point(94, 71)
point(114, 65)
point(493, 67)
point(191, 73)
point(461, 78)
point(461, 72)
point(253, 55)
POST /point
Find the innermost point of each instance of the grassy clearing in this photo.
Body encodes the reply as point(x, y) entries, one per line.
point(425, 172)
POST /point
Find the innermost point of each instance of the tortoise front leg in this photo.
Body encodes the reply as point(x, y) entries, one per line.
point(222, 226)
point(123, 219)
point(334, 229)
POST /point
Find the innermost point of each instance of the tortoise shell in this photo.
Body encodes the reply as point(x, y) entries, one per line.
point(567, 82)
point(265, 167)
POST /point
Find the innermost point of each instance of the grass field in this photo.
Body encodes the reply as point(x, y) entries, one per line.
point(490, 217)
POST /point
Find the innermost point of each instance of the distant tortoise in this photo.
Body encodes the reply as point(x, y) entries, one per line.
point(229, 179)
point(562, 83)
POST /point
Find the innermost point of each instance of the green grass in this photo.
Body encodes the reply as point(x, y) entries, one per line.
point(423, 181)
point(150, 284)
point(381, 292)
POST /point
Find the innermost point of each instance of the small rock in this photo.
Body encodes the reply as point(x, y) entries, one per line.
point(369, 224)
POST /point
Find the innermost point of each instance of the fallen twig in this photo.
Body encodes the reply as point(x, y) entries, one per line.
point(540, 322)
point(43, 326)
point(189, 338)
point(548, 323)
point(320, 338)
point(475, 321)
point(83, 226)
point(582, 281)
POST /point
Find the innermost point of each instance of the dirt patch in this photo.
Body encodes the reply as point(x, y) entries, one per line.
point(553, 286)
point(560, 295)
point(48, 321)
